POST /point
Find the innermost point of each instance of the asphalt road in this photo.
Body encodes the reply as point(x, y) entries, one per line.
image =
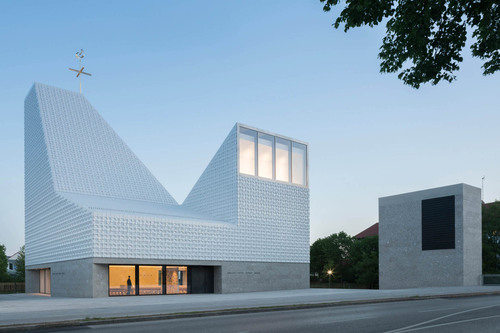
point(471, 314)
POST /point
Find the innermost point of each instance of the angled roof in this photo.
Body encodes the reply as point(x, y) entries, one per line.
point(370, 231)
point(14, 256)
point(91, 166)
point(86, 155)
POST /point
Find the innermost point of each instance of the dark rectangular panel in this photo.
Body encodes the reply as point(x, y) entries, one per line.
point(201, 279)
point(438, 223)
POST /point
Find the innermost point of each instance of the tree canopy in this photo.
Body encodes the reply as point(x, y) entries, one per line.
point(4, 276)
point(20, 265)
point(351, 259)
point(491, 238)
point(424, 39)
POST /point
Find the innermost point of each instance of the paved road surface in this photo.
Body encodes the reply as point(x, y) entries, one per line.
point(472, 314)
point(26, 308)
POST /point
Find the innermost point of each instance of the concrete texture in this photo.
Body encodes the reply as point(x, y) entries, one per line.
point(403, 264)
point(89, 277)
point(25, 308)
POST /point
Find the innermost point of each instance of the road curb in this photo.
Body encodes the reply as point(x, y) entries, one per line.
point(194, 314)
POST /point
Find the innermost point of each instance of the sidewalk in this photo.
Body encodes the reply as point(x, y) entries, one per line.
point(21, 309)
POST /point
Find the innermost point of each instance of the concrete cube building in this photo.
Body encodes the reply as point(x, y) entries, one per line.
point(431, 238)
point(98, 223)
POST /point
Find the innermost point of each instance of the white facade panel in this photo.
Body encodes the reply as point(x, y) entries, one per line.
point(88, 196)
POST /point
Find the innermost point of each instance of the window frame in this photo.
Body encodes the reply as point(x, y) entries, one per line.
point(274, 150)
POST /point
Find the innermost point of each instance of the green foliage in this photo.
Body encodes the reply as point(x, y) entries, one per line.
point(20, 266)
point(364, 256)
point(351, 260)
point(491, 238)
point(424, 39)
point(4, 276)
point(332, 252)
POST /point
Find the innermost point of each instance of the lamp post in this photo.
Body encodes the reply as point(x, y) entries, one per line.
point(330, 272)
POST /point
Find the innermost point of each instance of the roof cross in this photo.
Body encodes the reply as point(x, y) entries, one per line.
point(79, 56)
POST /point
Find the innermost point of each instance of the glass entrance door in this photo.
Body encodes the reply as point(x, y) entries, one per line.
point(45, 281)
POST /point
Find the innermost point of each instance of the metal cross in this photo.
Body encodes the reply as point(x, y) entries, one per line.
point(79, 56)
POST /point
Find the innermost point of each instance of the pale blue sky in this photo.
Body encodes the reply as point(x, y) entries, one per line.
point(172, 78)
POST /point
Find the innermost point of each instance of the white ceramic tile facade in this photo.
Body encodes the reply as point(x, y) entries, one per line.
point(87, 156)
point(258, 220)
point(54, 227)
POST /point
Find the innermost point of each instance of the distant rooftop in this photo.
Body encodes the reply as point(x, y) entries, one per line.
point(370, 231)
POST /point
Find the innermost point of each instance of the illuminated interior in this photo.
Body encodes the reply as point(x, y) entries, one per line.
point(247, 151)
point(265, 149)
point(150, 280)
point(271, 157)
point(176, 280)
point(282, 160)
point(118, 280)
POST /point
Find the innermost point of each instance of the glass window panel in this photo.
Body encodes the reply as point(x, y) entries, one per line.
point(150, 280)
point(121, 280)
point(282, 160)
point(248, 139)
point(265, 157)
point(299, 164)
point(176, 279)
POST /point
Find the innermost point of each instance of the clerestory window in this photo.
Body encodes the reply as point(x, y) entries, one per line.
point(272, 157)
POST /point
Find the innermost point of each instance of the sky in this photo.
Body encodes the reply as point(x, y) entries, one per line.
point(173, 77)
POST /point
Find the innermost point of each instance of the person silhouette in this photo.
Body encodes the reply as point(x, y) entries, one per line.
point(129, 285)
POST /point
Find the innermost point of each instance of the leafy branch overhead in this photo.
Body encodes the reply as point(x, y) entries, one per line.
point(425, 38)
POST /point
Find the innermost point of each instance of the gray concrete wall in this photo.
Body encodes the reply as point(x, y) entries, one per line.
point(255, 276)
point(71, 278)
point(473, 258)
point(32, 279)
point(403, 264)
point(89, 277)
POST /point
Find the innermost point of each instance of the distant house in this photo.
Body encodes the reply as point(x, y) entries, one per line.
point(11, 263)
point(370, 231)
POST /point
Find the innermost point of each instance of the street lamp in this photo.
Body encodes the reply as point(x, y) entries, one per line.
point(330, 272)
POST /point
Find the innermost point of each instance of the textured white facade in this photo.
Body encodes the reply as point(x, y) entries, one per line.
point(89, 196)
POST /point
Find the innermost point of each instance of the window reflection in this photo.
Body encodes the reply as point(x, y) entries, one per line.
point(298, 163)
point(265, 157)
point(248, 140)
point(150, 280)
point(282, 160)
point(121, 280)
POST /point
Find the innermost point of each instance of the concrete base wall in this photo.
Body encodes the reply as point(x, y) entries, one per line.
point(89, 277)
point(72, 278)
point(403, 263)
point(32, 281)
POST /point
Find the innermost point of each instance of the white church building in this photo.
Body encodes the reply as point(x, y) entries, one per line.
point(98, 223)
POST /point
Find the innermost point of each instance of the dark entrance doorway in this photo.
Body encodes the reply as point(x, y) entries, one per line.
point(201, 279)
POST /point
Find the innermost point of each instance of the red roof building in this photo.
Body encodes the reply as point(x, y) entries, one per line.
point(370, 231)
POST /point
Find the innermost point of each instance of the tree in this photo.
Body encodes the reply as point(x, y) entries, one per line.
point(332, 252)
point(424, 39)
point(20, 266)
point(364, 256)
point(491, 238)
point(4, 276)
